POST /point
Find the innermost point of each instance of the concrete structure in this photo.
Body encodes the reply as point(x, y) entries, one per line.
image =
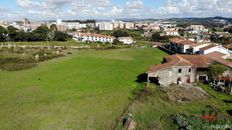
point(195, 29)
point(180, 69)
point(60, 25)
point(126, 40)
point(195, 48)
point(215, 48)
point(105, 26)
point(119, 25)
point(90, 37)
point(129, 25)
point(171, 33)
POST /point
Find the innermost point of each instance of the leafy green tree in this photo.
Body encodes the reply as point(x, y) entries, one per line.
point(117, 42)
point(3, 30)
point(215, 70)
point(42, 29)
point(53, 28)
point(11, 29)
point(181, 32)
point(182, 25)
point(120, 33)
point(60, 36)
point(157, 38)
point(3, 38)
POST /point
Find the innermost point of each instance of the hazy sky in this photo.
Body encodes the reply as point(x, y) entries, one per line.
point(112, 9)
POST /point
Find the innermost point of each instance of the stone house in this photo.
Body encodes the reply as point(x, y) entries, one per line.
point(180, 69)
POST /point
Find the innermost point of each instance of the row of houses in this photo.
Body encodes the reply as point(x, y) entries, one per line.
point(191, 64)
point(183, 46)
point(92, 37)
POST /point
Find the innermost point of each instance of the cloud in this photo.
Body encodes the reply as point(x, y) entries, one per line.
point(135, 4)
point(109, 9)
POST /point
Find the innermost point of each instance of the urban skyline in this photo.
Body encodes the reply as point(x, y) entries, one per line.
point(112, 9)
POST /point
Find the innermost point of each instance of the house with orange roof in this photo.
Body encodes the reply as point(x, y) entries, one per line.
point(181, 45)
point(180, 69)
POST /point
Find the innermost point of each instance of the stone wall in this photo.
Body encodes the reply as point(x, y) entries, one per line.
point(171, 75)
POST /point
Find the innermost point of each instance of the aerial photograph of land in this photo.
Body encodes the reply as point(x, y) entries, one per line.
point(116, 65)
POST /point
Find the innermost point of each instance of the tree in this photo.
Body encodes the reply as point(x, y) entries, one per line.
point(3, 38)
point(228, 30)
point(42, 29)
point(60, 36)
point(11, 29)
point(182, 25)
point(181, 32)
point(215, 70)
point(53, 28)
point(157, 38)
point(117, 42)
point(3, 30)
point(120, 33)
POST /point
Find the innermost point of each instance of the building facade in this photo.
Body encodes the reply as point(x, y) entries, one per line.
point(90, 37)
point(180, 69)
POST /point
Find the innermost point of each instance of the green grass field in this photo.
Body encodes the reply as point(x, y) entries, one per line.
point(87, 90)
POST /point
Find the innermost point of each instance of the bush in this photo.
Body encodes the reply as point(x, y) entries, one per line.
point(181, 121)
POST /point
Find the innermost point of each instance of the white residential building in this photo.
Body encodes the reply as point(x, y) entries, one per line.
point(75, 25)
point(195, 48)
point(129, 25)
point(90, 37)
point(105, 26)
point(215, 48)
point(195, 29)
point(170, 32)
point(126, 40)
point(119, 24)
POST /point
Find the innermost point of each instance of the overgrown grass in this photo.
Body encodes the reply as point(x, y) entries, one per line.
point(86, 90)
point(154, 112)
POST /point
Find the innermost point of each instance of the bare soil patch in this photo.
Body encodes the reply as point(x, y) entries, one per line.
point(186, 93)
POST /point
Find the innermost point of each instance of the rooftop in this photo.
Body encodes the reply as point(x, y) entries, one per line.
point(182, 41)
point(208, 47)
point(197, 61)
point(94, 35)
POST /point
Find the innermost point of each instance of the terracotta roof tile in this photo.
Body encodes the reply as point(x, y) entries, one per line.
point(197, 61)
point(216, 55)
point(182, 41)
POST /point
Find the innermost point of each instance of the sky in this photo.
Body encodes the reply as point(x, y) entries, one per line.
point(112, 9)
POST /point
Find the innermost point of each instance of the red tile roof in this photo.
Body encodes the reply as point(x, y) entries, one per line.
point(216, 58)
point(176, 39)
point(224, 78)
point(197, 61)
point(182, 41)
point(216, 55)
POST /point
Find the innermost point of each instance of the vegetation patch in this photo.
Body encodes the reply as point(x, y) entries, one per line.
point(20, 59)
point(157, 111)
